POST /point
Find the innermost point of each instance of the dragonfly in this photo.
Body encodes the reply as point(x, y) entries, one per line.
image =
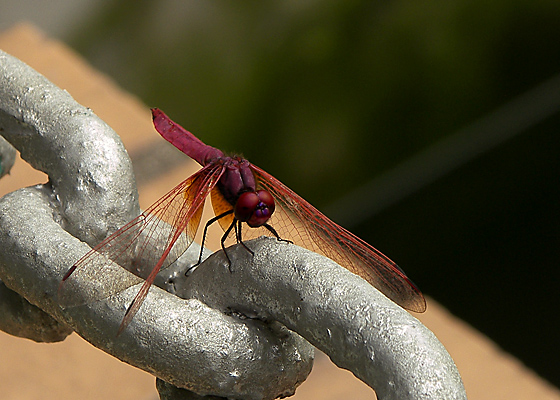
point(248, 202)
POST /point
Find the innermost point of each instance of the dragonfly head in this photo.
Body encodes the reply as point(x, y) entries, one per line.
point(254, 208)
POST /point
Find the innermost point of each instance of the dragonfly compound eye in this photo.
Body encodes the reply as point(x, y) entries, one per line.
point(254, 208)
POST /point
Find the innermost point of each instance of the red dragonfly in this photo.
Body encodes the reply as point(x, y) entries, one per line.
point(248, 202)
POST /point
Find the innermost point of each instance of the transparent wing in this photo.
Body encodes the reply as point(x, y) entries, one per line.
point(150, 242)
point(220, 205)
point(296, 220)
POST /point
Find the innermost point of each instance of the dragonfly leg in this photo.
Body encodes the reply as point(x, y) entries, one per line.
point(235, 224)
point(276, 235)
point(210, 222)
point(240, 239)
point(224, 237)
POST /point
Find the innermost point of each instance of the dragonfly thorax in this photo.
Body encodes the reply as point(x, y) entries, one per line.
point(236, 179)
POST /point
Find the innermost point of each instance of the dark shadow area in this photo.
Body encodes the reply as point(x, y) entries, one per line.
point(484, 241)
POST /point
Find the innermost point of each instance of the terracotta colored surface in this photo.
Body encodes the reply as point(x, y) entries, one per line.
point(74, 369)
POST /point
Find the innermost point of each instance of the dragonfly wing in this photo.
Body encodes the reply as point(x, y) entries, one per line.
point(185, 222)
point(220, 205)
point(150, 242)
point(297, 220)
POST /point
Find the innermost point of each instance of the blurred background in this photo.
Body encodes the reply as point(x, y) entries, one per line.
point(428, 128)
